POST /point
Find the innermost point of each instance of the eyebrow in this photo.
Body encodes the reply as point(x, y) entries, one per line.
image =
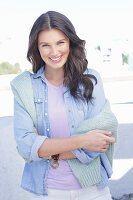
point(48, 43)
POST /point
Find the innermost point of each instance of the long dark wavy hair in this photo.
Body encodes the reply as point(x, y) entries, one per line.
point(79, 83)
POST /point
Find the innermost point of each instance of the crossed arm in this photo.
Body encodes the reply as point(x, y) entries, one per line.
point(96, 140)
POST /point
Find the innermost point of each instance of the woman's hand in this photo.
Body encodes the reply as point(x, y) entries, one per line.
point(96, 140)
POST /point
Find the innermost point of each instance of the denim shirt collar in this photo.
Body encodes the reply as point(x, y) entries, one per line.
point(39, 73)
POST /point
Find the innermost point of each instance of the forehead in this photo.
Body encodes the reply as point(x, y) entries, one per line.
point(51, 35)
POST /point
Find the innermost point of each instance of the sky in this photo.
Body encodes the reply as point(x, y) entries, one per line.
point(96, 21)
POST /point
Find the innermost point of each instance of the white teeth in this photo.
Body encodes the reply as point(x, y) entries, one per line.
point(55, 59)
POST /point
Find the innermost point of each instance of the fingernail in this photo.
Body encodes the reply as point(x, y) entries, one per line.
point(110, 133)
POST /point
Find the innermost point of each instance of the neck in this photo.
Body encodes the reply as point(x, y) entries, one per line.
point(55, 77)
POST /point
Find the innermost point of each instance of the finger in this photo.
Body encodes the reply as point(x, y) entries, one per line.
point(103, 150)
point(110, 139)
point(106, 146)
point(104, 132)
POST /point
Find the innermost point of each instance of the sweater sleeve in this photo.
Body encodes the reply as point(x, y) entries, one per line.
point(28, 142)
point(94, 109)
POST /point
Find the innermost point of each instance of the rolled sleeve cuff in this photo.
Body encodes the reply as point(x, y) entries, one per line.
point(85, 156)
point(34, 150)
point(79, 153)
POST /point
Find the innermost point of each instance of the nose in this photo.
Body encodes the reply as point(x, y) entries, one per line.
point(54, 51)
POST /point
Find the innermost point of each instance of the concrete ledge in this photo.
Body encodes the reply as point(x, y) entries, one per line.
point(118, 78)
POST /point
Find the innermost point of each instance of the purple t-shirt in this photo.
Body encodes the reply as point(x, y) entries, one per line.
point(62, 177)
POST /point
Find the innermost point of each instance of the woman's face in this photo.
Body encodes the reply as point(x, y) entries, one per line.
point(53, 46)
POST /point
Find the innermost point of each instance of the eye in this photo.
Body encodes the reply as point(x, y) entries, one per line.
point(45, 45)
point(61, 42)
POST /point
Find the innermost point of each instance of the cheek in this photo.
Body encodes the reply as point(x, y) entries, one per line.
point(65, 50)
point(43, 53)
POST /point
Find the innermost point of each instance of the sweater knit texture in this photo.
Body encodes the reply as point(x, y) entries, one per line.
point(89, 173)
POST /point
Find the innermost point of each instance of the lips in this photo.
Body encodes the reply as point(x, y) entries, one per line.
point(56, 59)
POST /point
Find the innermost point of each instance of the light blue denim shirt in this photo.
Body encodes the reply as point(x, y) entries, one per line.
point(35, 172)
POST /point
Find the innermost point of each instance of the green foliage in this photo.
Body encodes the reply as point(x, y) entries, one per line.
point(7, 68)
point(98, 48)
point(124, 59)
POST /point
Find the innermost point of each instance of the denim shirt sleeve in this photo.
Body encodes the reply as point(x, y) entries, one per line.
point(28, 142)
point(94, 108)
point(84, 155)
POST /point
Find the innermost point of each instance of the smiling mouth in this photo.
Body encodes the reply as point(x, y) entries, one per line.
point(56, 59)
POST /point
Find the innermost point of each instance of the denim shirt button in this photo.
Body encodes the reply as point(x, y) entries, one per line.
point(46, 101)
point(47, 129)
point(38, 100)
point(72, 126)
point(46, 114)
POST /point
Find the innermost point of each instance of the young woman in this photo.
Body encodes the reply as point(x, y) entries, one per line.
point(65, 139)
